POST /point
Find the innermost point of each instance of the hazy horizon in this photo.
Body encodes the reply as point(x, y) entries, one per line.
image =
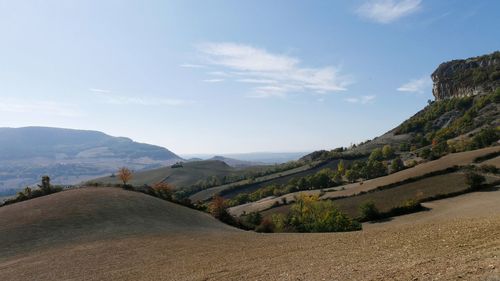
point(222, 77)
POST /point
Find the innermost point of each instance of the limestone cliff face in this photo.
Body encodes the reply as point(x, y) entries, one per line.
point(462, 78)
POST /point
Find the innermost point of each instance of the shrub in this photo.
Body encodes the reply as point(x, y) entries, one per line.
point(474, 180)
point(163, 190)
point(369, 211)
point(485, 137)
point(45, 188)
point(376, 155)
point(266, 226)
point(407, 207)
point(252, 220)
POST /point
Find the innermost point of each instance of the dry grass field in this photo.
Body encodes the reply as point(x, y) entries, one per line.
point(112, 234)
point(460, 159)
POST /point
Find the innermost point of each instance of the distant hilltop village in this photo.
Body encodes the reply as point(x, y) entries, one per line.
point(470, 77)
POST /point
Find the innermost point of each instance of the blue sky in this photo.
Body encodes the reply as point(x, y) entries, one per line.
point(232, 76)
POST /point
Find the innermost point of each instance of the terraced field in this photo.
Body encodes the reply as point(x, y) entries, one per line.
point(459, 159)
point(233, 189)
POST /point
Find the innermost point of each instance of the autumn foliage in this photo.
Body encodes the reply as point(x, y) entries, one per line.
point(125, 175)
point(164, 190)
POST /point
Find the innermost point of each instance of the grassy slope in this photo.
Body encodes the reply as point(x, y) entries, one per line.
point(88, 214)
point(130, 236)
point(463, 158)
point(189, 174)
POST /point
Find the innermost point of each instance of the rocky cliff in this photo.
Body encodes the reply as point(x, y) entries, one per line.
point(470, 77)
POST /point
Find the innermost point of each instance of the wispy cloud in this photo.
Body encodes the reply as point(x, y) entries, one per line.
point(14, 105)
point(274, 74)
point(361, 99)
point(387, 11)
point(213, 80)
point(219, 73)
point(190, 65)
point(416, 85)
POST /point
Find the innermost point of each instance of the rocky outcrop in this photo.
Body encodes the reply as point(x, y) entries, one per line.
point(470, 77)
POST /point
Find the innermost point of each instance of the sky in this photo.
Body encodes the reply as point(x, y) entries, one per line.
point(232, 76)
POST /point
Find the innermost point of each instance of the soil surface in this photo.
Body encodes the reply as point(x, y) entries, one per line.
point(112, 234)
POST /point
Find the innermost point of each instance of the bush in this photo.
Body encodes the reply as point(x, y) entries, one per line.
point(408, 207)
point(309, 214)
point(252, 220)
point(485, 138)
point(163, 190)
point(369, 211)
point(267, 226)
point(474, 180)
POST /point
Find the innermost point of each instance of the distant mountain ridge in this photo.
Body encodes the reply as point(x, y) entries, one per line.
point(70, 156)
point(236, 162)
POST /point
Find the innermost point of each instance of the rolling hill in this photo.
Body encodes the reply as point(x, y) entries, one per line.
point(185, 175)
point(70, 156)
point(112, 234)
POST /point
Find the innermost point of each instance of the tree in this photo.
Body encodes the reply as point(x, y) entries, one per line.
point(374, 169)
point(218, 208)
point(397, 165)
point(387, 152)
point(125, 175)
point(45, 186)
point(351, 175)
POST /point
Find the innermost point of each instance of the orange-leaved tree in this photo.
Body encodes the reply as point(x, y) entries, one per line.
point(125, 175)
